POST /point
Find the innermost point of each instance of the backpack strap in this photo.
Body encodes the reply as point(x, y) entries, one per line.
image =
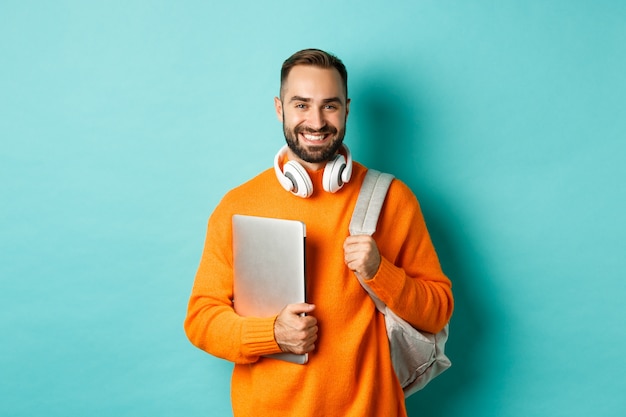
point(370, 202)
point(366, 212)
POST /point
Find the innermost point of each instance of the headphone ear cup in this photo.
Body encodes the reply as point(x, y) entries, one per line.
point(302, 185)
point(332, 180)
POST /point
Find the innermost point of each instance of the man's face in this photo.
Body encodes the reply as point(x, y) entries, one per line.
point(313, 109)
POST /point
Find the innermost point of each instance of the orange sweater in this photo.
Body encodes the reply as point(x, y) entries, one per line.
point(349, 374)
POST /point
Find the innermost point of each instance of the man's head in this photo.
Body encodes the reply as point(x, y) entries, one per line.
point(315, 58)
point(313, 105)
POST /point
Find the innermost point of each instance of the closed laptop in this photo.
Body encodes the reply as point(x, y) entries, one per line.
point(269, 268)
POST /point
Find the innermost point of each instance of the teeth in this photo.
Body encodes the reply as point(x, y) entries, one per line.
point(314, 137)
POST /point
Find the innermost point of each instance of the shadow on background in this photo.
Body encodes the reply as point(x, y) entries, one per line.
point(393, 132)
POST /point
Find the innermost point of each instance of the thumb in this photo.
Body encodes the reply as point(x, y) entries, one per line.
point(300, 308)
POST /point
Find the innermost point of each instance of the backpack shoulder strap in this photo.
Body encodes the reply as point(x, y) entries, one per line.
point(370, 202)
point(366, 212)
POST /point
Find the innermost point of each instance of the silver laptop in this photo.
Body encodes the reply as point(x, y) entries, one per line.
point(269, 262)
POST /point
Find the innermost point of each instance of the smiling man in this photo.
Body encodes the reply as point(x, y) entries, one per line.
point(314, 180)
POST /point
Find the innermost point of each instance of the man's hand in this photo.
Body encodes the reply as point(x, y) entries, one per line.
point(295, 332)
point(361, 255)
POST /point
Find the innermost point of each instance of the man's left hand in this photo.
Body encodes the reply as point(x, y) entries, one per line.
point(361, 255)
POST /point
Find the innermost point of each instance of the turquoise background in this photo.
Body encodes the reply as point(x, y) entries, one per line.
point(124, 122)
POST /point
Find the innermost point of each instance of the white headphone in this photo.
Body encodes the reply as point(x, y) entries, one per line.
point(293, 177)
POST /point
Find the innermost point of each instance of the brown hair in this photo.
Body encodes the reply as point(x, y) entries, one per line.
point(316, 58)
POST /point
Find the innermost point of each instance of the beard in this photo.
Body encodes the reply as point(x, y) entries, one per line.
point(314, 154)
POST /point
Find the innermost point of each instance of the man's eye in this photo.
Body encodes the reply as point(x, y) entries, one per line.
point(300, 106)
point(330, 107)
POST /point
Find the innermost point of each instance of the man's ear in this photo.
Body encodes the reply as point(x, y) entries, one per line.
point(278, 105)
point(347, 107)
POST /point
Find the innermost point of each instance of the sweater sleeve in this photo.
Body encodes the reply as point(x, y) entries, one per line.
point(410, 280)
point(211, 323)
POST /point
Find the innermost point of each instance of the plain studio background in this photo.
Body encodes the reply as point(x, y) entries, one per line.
point(123, 123)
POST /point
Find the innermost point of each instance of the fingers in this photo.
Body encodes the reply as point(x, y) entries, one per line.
point(361, 255)
point(295, 332)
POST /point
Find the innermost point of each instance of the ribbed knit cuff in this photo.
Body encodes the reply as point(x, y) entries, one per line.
point(388, 281)
point(258, 336)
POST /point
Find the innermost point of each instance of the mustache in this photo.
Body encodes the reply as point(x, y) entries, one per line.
point(323, 130)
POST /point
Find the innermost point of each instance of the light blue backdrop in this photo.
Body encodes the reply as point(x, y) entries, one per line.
point(123, 123)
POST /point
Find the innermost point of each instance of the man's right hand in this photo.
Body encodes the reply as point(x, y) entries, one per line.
point(294, 331)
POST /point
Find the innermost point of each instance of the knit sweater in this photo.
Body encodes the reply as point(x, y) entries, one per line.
point(349, 373)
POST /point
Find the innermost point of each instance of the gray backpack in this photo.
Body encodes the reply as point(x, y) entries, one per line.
point(417, 356)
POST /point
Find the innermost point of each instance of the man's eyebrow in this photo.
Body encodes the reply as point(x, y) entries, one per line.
point(308, 100)
point(332, 100)
point(299, 98)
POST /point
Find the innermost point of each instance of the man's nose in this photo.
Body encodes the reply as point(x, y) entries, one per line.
point(316, 119)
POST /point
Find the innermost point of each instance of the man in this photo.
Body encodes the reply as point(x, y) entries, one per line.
point(349, 371)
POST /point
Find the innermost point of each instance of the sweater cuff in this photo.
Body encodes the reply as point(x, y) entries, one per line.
point(258, 336)
point(388, 281)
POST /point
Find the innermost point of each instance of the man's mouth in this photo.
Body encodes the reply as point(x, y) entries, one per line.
point(314, 137)
point(318, 136)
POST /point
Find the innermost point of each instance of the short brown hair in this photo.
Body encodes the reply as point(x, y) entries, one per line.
point(316, 58)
